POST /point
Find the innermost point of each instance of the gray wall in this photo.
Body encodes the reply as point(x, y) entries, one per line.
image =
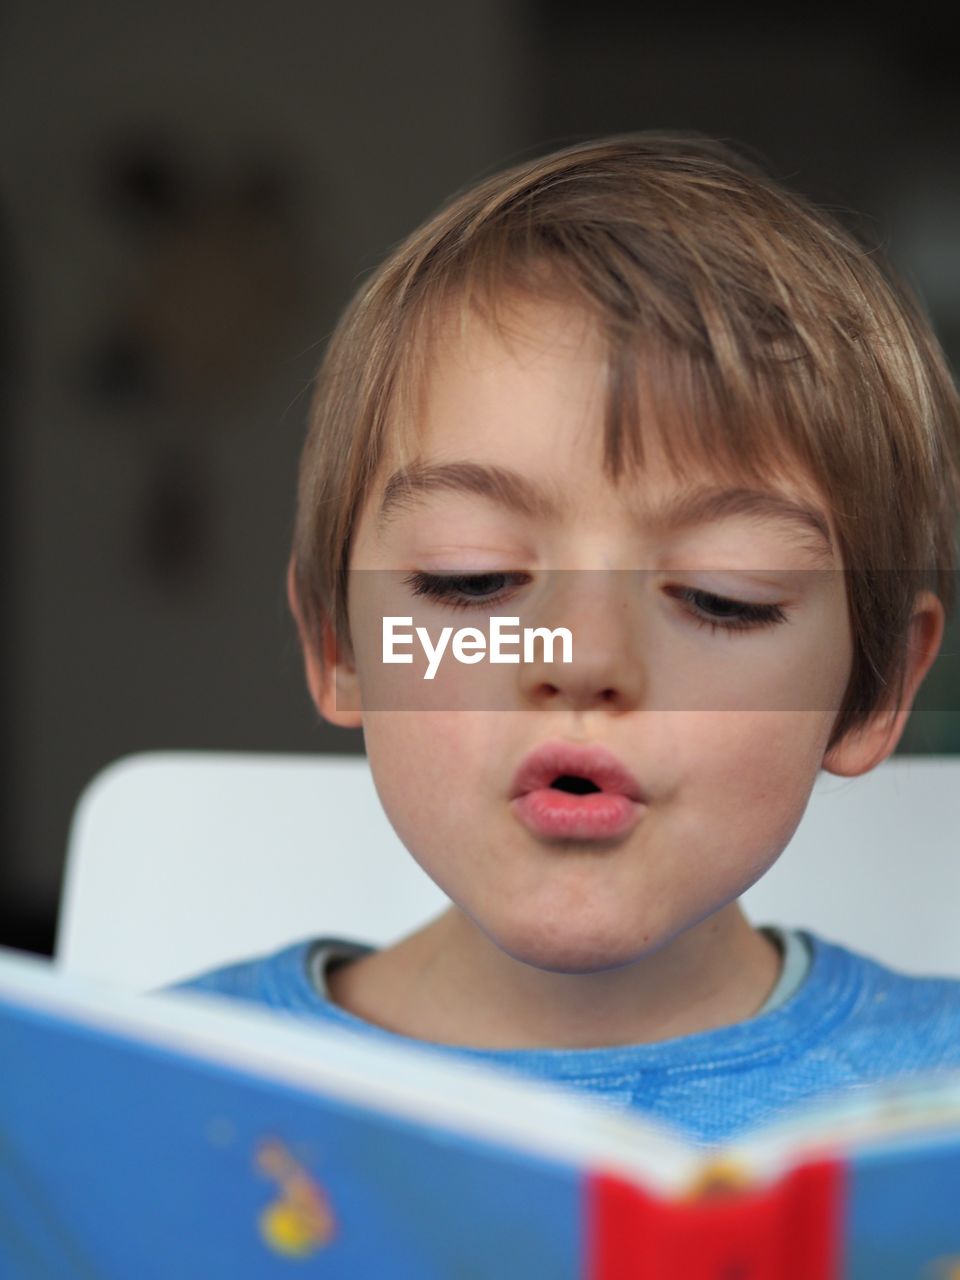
point(152, 525)
point(190, 193)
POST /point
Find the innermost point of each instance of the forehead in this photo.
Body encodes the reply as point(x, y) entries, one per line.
point(513, 344)
point(505, 379)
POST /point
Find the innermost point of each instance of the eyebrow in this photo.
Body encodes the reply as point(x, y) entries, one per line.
point(412, 485)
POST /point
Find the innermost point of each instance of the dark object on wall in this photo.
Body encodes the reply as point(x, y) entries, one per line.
point(214, 278)
point(212, 290)
point(175, 519)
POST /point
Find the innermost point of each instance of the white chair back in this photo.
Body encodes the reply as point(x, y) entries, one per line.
point(875, 865)
point(180, 861)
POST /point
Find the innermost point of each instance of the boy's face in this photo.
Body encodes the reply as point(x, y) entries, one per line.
point(724, 788)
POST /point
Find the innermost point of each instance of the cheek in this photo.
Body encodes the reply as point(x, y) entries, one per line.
point(746, 778)
point(427, 768)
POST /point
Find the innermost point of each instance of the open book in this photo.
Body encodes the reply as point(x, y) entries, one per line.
point(186, 1135)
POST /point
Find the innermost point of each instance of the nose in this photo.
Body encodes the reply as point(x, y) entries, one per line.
point(600, 609)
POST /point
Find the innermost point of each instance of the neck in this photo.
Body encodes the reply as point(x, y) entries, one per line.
point(449, 983)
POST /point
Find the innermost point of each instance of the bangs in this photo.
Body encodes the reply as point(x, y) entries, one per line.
point(676, 384)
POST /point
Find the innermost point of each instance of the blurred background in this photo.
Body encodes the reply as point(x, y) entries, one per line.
point(189, 194)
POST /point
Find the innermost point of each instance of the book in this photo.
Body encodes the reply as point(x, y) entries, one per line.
point(182, 1134)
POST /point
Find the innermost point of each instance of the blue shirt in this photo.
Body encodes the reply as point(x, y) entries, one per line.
point(836, 1019)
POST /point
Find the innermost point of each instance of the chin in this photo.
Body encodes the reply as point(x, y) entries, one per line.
point(571, 951)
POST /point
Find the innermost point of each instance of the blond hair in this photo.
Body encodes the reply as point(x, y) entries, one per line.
point(742, 325)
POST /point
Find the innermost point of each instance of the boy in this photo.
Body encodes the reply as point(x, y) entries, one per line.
point(635, 353)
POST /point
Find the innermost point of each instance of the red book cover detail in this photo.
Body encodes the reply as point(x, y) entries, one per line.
point(724, 1229)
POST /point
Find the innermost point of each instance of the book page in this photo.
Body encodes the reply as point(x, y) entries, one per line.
point(862, 1116)
point(398, 1080)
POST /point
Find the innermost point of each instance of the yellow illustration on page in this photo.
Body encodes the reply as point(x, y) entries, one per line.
point(300, 1221)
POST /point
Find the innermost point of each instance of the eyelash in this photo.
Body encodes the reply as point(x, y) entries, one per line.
point(748, 617)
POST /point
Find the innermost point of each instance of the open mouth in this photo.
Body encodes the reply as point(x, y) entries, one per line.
point(572, 806)
point(580, 771)
point(576, 791)
point(575, 783)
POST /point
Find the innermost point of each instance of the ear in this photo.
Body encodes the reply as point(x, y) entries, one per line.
point(331, 676)
point(863, 749)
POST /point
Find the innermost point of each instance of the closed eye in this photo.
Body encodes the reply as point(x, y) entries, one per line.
point(482, 590)
point(461, 590)
point(729, 615)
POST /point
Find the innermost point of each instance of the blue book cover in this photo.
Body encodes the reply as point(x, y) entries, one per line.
point(179, 1135)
